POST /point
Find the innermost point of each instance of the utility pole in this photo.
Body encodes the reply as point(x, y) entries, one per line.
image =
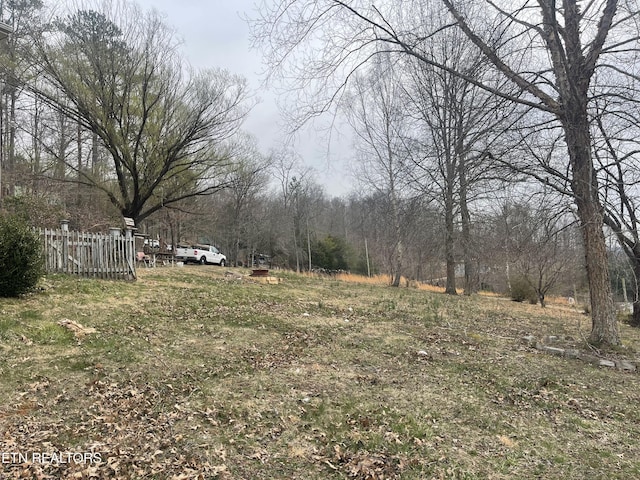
point(366, 253)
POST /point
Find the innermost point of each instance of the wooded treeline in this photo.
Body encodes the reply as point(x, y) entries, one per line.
point(493, 143)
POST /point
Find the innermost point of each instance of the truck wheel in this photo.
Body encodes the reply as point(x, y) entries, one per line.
point(222, 263)
point(203, 260)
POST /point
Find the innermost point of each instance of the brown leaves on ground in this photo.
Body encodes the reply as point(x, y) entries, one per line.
point(190, 376)
point(366, 466)
point(125, 431)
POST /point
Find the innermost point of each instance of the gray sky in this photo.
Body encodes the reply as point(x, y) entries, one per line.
point(215, 35)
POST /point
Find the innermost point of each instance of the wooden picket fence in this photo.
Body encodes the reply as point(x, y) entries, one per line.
point(109, 256)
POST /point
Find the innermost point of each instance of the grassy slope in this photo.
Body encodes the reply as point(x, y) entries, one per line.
point(192, 373)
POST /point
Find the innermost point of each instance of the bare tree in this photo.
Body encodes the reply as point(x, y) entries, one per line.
point(246, 180)
point(550, 53)
point(538, 241)
point(116, 72)
point(617, 153)
point(298, 193)
point(458, 124)
point(26, 22)
point(376, 112)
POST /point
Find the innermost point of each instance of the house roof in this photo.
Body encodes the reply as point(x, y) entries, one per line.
point(5, 30)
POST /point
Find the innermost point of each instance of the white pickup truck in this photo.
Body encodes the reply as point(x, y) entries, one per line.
point(202, 254)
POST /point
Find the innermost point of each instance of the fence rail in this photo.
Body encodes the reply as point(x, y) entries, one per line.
point(85, 254)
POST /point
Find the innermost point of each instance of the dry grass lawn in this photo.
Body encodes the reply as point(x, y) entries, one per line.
point(191, 374)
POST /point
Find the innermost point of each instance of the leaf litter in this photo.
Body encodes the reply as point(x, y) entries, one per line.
point(232, 381)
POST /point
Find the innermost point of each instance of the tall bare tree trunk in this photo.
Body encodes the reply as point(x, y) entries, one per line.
point(470, 273)
point(590, 212)
point(79, 152)
point(79, 163)
point(295, 248)
point(450, 229)
point(3, 156)
point(398, 247)
point(94, 154)
point(60, 165)
point(604, 324)
point(397, 277)
point(309, 245)
point(450, 238)
point(11, 153)
point(35, 146)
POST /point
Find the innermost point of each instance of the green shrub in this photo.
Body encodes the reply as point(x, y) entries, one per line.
point(331, 253)
point(522, 290)
point(21, 262)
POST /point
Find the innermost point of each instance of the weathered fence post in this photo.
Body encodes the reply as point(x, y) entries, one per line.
point(114, 234)
point(130, 250)
point(64, 251)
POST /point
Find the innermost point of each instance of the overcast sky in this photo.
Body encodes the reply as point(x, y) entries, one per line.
point(214, 34)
